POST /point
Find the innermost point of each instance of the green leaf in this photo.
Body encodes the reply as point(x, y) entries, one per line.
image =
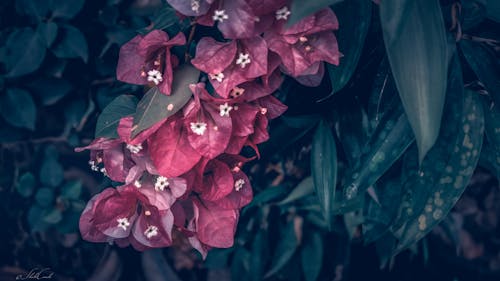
point(51, 172)
point(165, 18)
point(312, 256)
point(492, 124)
point(49, 89)
point(267, 195)
point(301, 9)
point(303, 189)
point(75, 111)
point(24, 52)
point(37, 9)
point(450, 182)
point(324, 169)
point(260, 255)
point(493, 9)
point(48, 32)
point(153, 106)
point(484, 63)
point(108, 120)
point(44, 197)
point(71, 45)
point(26, 184)
point(53, 216)
point(416, 44)
point(287, 244)
point(241, 264)
point(65, 9)
point(18, 109)
point(35, 218)
point(355, 17)
point(71, 190)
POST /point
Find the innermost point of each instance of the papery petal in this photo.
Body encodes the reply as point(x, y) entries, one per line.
point(185, 7)
point(243, 118)
point(170, 150)
point(261, 134)
point(240, 22)
point(162, 220)
point(130, 63)
point(257, 49)
point(237, 199)
point(152, 41)
point(214, 57)
point(274, 108)
point(215, 226)
point(217, 182)
point(100, 144)
point(87, 227)
point(312, 80)
point(115, 164)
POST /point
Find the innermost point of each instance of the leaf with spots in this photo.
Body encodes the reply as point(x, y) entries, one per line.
point(108, 120)
point(416, 45)
point(155, 107)
point(443, 180)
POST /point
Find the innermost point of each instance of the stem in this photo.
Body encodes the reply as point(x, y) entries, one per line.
point(190, 39)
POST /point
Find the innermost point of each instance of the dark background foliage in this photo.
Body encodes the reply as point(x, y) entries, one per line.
point(57, 73)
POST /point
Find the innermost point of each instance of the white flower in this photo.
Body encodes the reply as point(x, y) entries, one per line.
point(238, 185)
point(282, 14)
point(151, 231)
point(219, 77)
point(243, 60)
point(220, 15)
point(123, 223)
point(93, 166)
point(161, 183)
point(225, 109)
point(195, 6)
point(155, 76)
point(137, 184)
point(198, 128)
point(134, 148)
point(104, 172)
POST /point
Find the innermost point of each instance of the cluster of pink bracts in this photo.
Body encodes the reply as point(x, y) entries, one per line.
point(184, 173)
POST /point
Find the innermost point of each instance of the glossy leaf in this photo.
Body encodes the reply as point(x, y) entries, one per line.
point(71, 190)
point(49, 89)
point(416, 44)
point(301, 9)
point(285, 248)
point(493, 9)
point(450, 182)
point(153, 106)
point(24, 52)
point(355, 17)
point(260, 255)
point(48, 32)
point(26, 184)
point(71, 45)
point(324, 169)
point(66, 9)
point(485, 64)
point(44, 197)
point(312, 256)
point(53, 216)
point(36, 9)
point(51, 172)
point(303, 189)
point(107, 123)
point(18, 109)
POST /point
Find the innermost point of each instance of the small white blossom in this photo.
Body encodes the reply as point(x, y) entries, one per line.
point(282, 14)
point(104, 172)
point(137, 184)
point(225, 109)
point(134, 148)
point(238, 185)
point(236, 92)
point(220, 15)
point(123, 223)
point(195, 6)
point(151, 231)
point(243, 60)
point(155, 76)
point(93, 166)
point(219, 77)
point(198, 128)
point(161, 183)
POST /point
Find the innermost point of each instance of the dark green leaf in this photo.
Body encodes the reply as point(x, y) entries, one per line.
point(303, 189)
point(301, 121)
point(164, 19)
point(260, 255)
point(48, 32)
point(18, 109)
point(71, 45)
point(241, 264)
point(301, 9)
point(69, 222)
point(75, 111)
point(108, 120)
point(153, 106)
point(493, 8)
point(49, 89)
point(24, 52)
point(35, 218)
point(324, 169)
point(44, 197)
point(450, 182)
point(484, 63)
point(287, 244)
point(51, 172)
point(312, 256)
point(217, 258)
point(416, 44)
point(38, 9)
point(71, 190)
point(53, 216)
point(492, 124)
point(26, 184)
point(267, 195)
point(66, 9)
point(355, 18)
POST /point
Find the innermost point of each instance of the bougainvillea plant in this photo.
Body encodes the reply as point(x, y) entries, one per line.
point(176, 152)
